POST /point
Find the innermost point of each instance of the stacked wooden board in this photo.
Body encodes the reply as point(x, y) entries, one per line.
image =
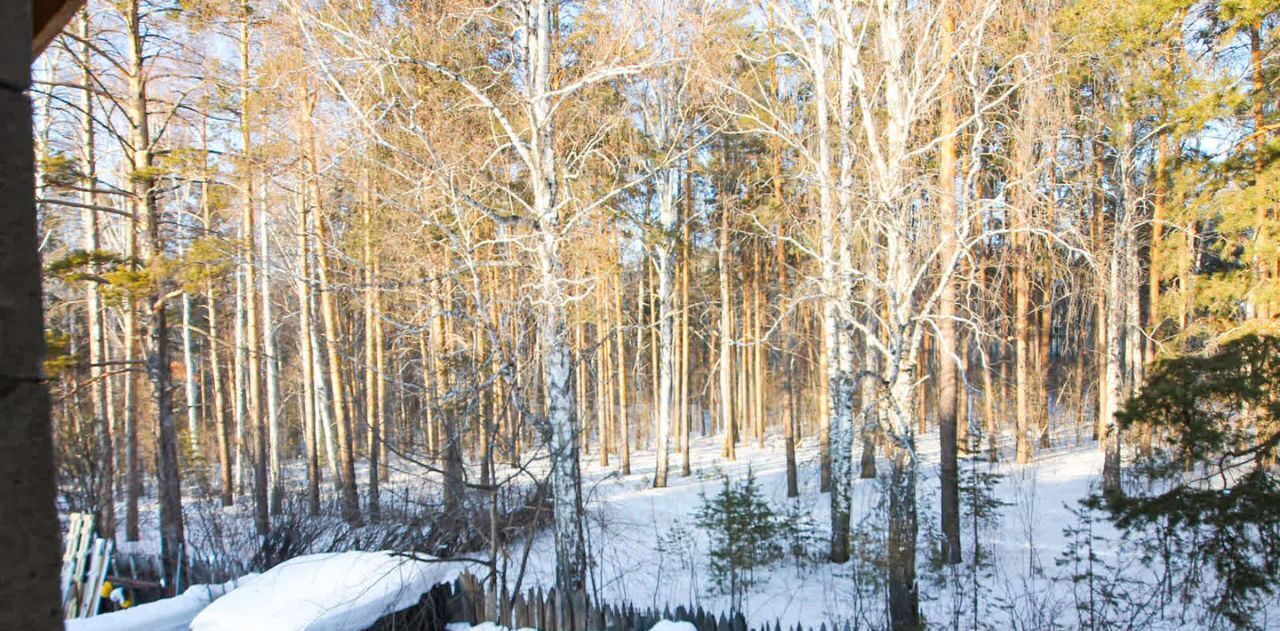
point(84, 567)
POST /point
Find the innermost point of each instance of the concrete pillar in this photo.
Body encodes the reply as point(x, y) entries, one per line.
point(29, 535)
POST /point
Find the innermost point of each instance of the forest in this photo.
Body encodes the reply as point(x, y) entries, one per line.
point(866, 313)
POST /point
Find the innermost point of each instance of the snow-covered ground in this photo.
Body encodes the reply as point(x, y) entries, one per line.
point(170, 614)
point(646, 549)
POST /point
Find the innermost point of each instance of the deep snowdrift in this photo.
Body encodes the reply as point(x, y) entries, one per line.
point(327, 592)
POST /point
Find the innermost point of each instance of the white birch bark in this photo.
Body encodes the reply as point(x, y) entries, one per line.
point(272, 380)
point(189, 375)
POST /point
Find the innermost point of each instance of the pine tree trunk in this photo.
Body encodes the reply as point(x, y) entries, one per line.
point(947, 338)
point(132, 467)
point(329, 316)
point(255, 423)
point(788, 367)
point(146, 206)
point(623, 428)
point(603, 345)
point(451, 439)
point(307, 352)
point(726, 338)
point(1022, 381)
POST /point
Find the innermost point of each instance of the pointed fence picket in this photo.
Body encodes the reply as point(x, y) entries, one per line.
point(468, 600)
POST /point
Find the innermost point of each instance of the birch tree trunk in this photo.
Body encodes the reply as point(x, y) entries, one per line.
point(668, 218)
point(837, 276)
point(189, 376)
point(684, 324)
point(273, 436)
point(103, 431)
point(373, 411)
point(562, 422)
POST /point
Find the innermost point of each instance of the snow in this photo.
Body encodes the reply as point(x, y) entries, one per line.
point(483, 626)
point(667, 625)
point(645, 549)
point(170, 614)
point(327, 592)
point(662, 625)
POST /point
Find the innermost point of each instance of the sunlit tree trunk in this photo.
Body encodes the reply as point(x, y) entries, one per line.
point(332, 338)
point(948, 339)
point(147, 207)
point(255, 423)
point(102, 421)
point(726, 334)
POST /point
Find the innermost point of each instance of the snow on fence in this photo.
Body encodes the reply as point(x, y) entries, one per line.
point(467, 600)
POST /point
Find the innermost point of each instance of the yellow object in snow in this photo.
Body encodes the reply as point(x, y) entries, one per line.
point(106, 589)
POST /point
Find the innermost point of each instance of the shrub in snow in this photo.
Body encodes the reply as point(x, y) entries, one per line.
point(744, 532)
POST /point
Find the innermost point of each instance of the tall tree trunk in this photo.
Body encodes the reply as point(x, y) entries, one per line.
point(904, 596)
point(132, 466)
point(788, 366)
point(307, 351)
point(332, 337)
point(189, 385)
point(1022, 381)
point(685, 263)
point(1259, 303)
point(760, 357)
point(1113, 315)
point(103, 431)
point(668, 218)
point(838, 276)
point(239, 377)
point(562, 421)
point(442, 335)
point(221, 421)
point(372, 371)
point(1155, 274)
point(624, 428)
point(603, 344)
point(256, 422)
point(1097, 227)
point(147, 207)
point(947, 338)
point(726, 334)
point(271, 442)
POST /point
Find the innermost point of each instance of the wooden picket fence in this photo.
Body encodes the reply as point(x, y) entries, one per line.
point(467, 600)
